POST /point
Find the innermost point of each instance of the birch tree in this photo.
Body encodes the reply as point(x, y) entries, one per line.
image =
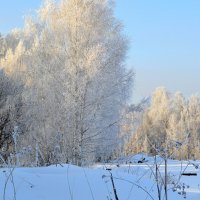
point(71, 60)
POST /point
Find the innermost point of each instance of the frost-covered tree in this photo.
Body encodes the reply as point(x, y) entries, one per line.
point(10, 111)
point(132, 116)
point(2, 46)
point(71, 60)
point(193, 126)
point(154, 126)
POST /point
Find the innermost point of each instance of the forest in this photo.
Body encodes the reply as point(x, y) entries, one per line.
point(65, 92)
point(164, 121)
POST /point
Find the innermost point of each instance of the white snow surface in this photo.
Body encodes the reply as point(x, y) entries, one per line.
point(133, 181)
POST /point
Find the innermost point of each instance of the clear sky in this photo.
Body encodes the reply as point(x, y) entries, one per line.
point(164, 35)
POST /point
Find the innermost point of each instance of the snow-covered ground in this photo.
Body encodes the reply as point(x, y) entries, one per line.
point(132, 180)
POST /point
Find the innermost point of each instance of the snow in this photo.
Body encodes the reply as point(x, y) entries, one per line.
point(132, 181)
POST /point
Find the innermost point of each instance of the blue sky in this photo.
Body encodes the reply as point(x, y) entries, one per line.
point(165, 41)
point(164, 35)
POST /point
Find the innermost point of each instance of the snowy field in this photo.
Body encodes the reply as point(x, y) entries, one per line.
point(132, 180)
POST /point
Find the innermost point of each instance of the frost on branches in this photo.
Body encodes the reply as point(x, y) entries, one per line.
point(71, 63)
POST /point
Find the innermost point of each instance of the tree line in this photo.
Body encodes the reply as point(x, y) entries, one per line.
point(163, 122)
